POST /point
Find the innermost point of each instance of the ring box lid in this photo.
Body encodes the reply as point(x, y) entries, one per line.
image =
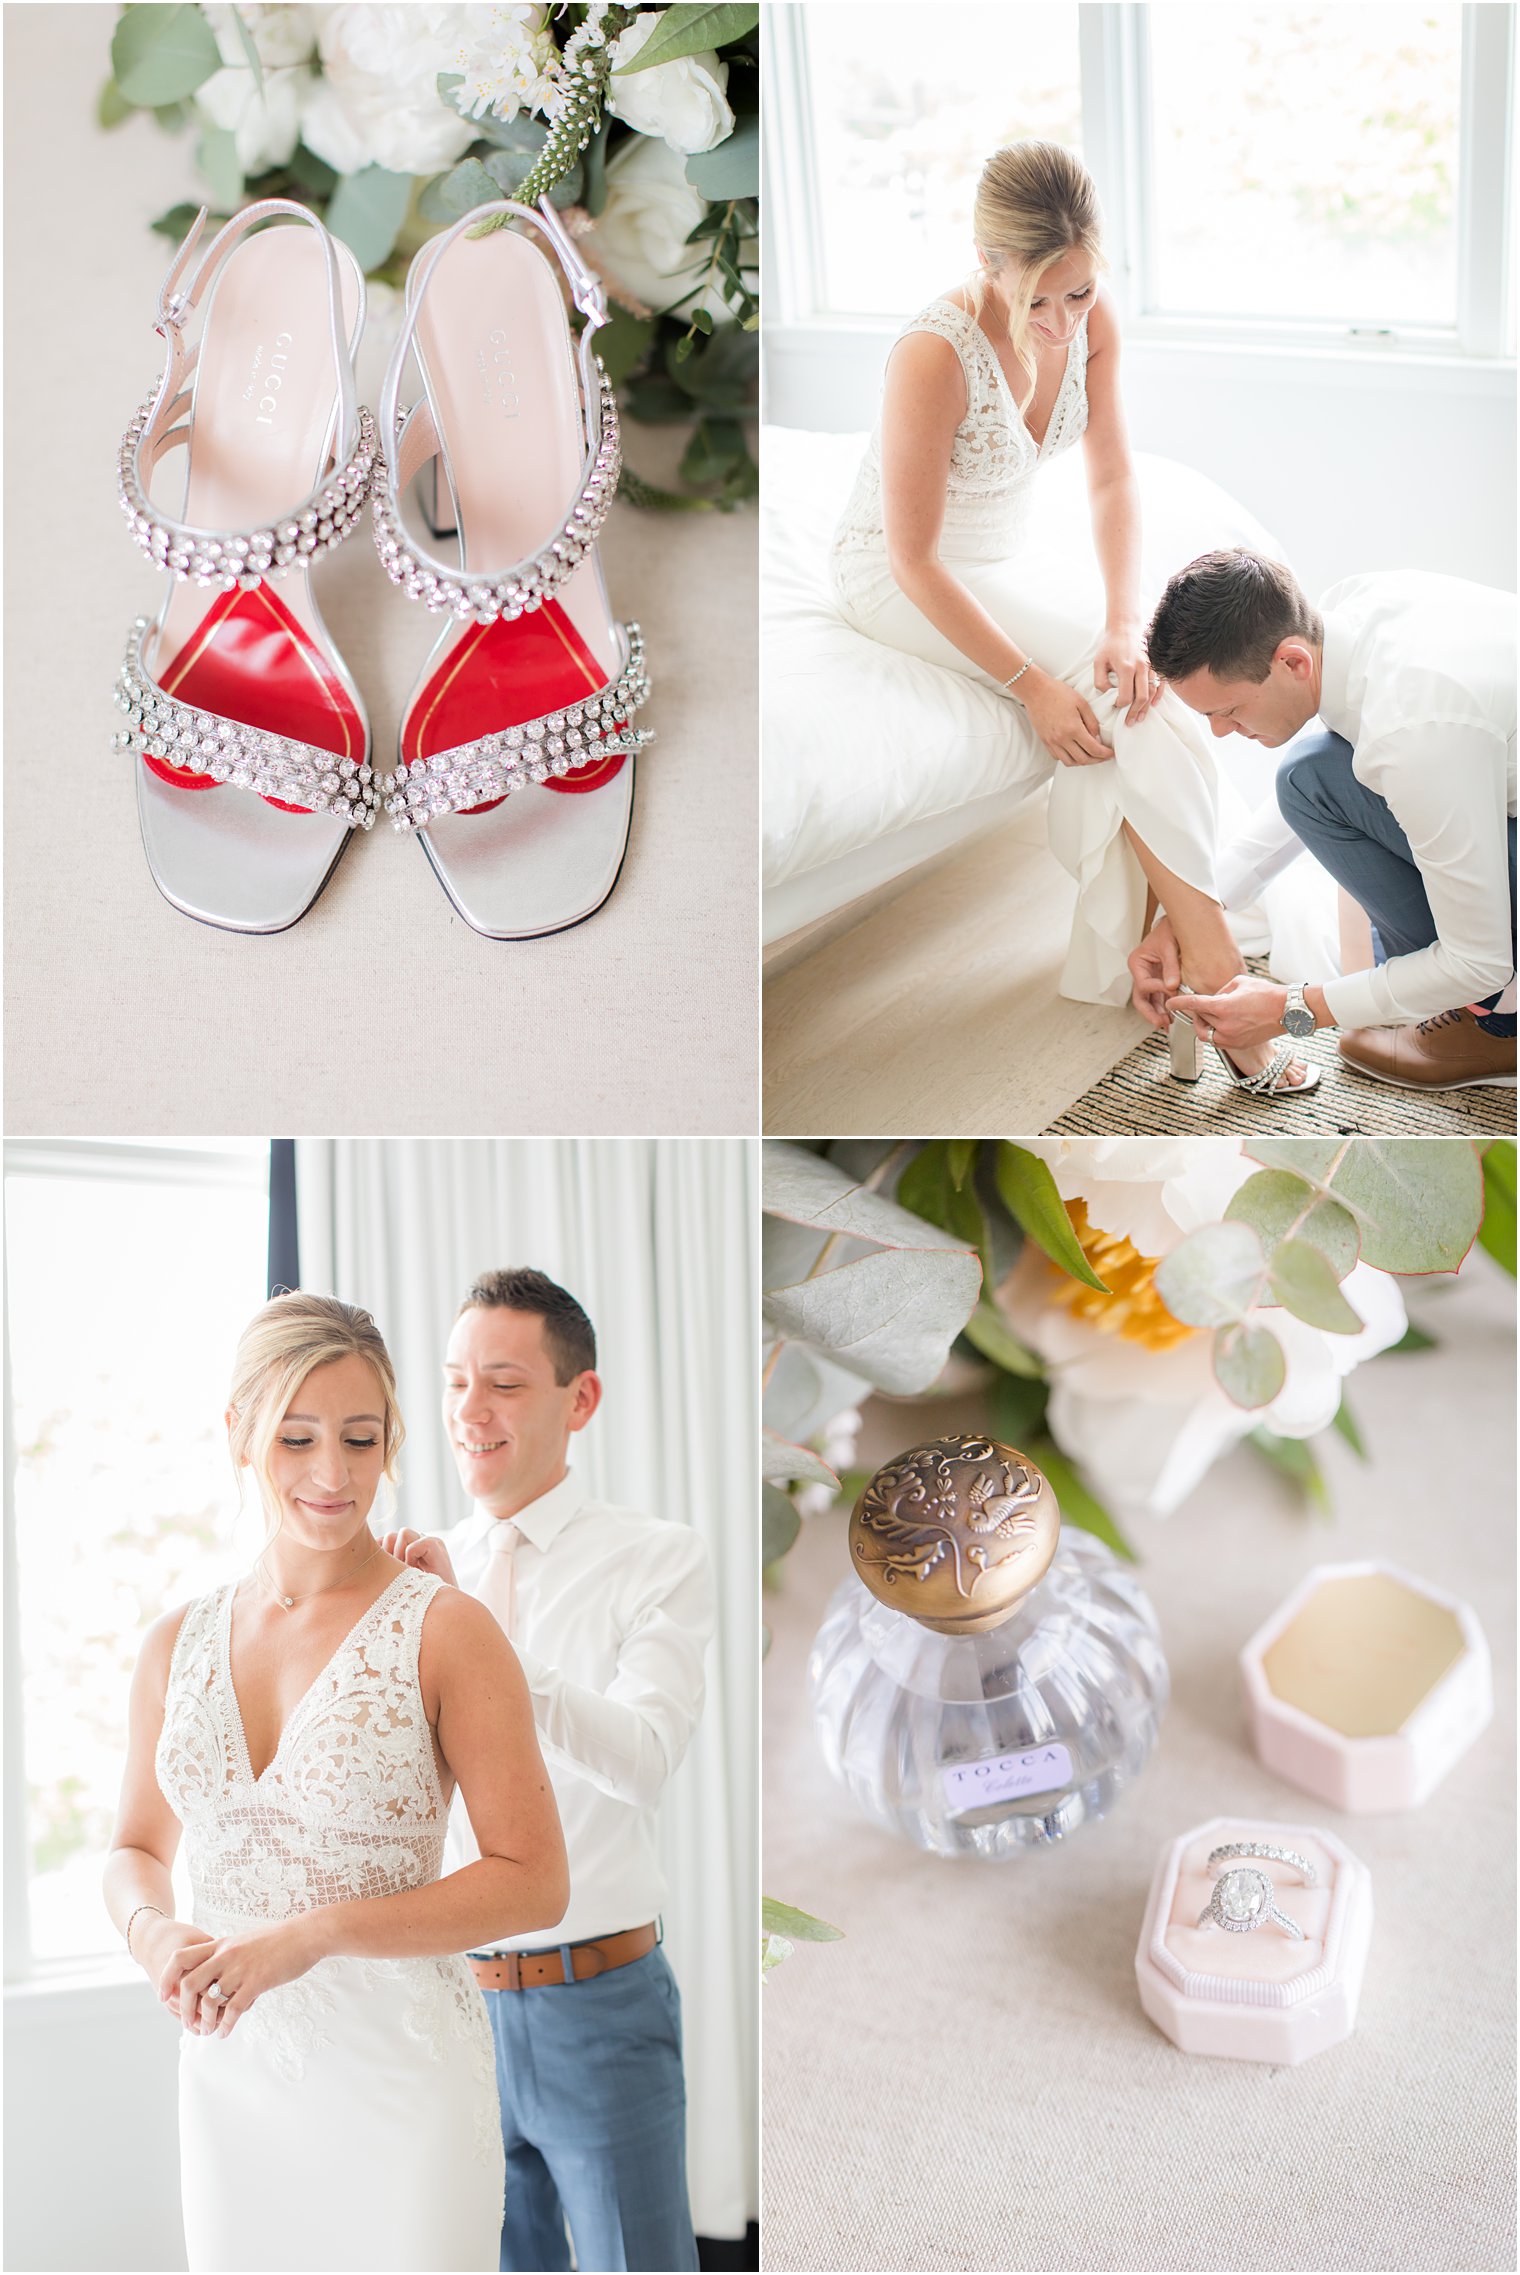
point(1261, 1996)
point(1366, 1685)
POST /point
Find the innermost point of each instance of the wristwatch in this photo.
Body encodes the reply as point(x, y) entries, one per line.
point(1297, 1018)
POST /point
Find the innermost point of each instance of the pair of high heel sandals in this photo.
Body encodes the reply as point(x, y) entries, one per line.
point(516, 753)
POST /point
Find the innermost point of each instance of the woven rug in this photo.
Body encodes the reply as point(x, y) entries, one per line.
point(1139, 1096)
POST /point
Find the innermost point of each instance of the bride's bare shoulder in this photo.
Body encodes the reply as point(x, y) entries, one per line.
point(1102, 322)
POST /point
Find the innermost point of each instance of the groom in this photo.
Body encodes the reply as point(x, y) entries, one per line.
point(610, 1613)
point(1404, 791)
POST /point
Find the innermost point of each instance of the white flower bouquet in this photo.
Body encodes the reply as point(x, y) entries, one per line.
point(641, 125)
point(1129, 1308)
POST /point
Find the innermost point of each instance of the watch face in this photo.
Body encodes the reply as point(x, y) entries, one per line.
point(1298, 1019)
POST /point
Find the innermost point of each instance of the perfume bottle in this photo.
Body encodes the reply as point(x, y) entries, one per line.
point(985, 1681)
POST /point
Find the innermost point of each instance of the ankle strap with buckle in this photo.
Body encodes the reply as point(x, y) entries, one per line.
point(327, 514)
point(409, 441)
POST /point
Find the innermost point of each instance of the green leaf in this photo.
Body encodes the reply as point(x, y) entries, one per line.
point(458, 192)
point(715, 446)
point(594, 165)
point(781, 1461)
point(928, 1187)
point(175, 222)
point(623, 341)
point(366, 211)
point(773, 1949)
point(111, 106)
point(960, 1153)
point(1418, 1201)
point(885, 1315)
point(1029, 1194)
point(1277, 1205)
point(779, 1525)
point(1413, 1339)
point(989, 1331)
point(1018, 1410)
point(688, 29)
point(250, 52)
point(785, 1919)
point(1214, 1276)
point(1497, 1232)
point(1078, 1507)
point(1345, 1423)
point(1249, 1365)
point(218, 160)
point(1303, 1282)
point(732, 168)
point(1296, 1459)
point(509, 169)
point(161, 54)
point(312, 174)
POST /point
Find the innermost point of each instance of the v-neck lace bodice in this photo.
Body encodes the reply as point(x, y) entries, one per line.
point(350, 1806)
point(994, 462)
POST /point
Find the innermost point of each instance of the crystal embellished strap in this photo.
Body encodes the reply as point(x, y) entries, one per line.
point(332, 508)
point(225, 750)
point(528, 583)
point(472, 774)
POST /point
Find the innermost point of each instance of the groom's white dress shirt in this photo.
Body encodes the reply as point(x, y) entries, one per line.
point(1419, 677)
point(614, 1611)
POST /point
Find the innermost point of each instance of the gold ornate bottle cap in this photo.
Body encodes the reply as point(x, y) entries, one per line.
point(954, 1532)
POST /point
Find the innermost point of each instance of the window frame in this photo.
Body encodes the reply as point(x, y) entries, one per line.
point(132, 1164)
point(1114, 50)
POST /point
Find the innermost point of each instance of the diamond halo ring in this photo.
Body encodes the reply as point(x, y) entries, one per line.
point(1244, 1897)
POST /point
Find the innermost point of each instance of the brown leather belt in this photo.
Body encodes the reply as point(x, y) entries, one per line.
point(531, 1970)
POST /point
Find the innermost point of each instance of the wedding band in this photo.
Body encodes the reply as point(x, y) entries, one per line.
point(1263, 1848)
point(1242, 1901)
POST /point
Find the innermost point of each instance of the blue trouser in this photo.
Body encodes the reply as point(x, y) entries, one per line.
point(1351, 832)
point(593, 2119)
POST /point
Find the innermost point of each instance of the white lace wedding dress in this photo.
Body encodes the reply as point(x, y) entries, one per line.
point(350, 2120)
point(1162, 778)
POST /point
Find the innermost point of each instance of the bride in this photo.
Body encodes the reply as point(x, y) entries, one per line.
point(983, 388)
point(303, 1729)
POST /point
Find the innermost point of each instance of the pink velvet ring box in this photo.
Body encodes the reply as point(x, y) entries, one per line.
point(1261, 1996)
point(1366, 1686)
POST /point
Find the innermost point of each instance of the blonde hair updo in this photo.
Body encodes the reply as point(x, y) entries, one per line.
point(276, 1351)
point(1035, 202)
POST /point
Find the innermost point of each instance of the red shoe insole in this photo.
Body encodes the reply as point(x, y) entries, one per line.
point(250, 659)
point(501, 675)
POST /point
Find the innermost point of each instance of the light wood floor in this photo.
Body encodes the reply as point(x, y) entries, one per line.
point(938, 1014)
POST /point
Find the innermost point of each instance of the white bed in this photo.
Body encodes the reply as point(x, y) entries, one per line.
point(875, 762)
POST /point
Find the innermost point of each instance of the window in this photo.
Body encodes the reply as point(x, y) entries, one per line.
point(130, 1272)
point(1284, 174)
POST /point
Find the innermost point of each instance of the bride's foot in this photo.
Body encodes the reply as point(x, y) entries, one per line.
point(1257, 1060)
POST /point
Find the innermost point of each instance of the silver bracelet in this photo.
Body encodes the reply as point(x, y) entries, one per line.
point(1018, 675)
point(163, 1915)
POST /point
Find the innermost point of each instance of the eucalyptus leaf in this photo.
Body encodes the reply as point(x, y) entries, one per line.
point(111, 106)
point(175, 222)
point(1418, 1201)
point(891, 1315)
point(688, 30)
point(218, 160)
point(1249, 1365)
point(162, 54)
point(623, 342)
point(785, 1919)
point(1413, 1339)
point(1296, 1460)
point(732, 168)
point(1214, 1276)
point(806, 1390)
point(366, 211)
point(509, 169)
point(779, 1525)
point(1345, 1423)
point(782, 1461)
point(1078, 1505)
point(250, 51)
point(773, 1949)
point(805, 1189)
point(594, 166)
point(1277, 1206)
point(462, 188)
point(991, 1334)
point(1303, 1283)
point(1029, 1194)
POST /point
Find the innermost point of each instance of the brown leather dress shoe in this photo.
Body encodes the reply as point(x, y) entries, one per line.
point(1449, 1052)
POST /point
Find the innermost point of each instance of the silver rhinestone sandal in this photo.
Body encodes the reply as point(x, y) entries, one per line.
point(1186, 1049)
point(516, 754)
point(251, 738)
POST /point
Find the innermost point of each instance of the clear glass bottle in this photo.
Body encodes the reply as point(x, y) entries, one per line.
point(985, 1681)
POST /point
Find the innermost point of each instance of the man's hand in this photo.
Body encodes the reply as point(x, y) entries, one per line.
point(1155, 967)
point(1246, 1010)
point(423, 1551)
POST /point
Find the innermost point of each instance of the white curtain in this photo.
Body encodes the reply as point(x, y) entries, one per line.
point(657, 1238)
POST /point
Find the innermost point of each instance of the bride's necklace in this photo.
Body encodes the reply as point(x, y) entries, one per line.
point(290, 1602)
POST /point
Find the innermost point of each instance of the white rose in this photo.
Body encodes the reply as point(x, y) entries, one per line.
point(280, 35)
point(640, 235)
point(683, 102)
point(1133, 1395)
point(267, 126)
point(377, 103)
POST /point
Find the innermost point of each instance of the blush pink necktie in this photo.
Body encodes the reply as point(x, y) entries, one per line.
point(498, 1586)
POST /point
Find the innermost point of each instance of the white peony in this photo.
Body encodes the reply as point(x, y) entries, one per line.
point(684, 102)
point(640, 234)
point(280, 36)
point(510, 63)
point(267, 126)
point(1133, 1396)
point(377, 103)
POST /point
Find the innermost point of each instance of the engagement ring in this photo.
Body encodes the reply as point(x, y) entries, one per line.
point(213, 1995)
point(1243, 1900)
